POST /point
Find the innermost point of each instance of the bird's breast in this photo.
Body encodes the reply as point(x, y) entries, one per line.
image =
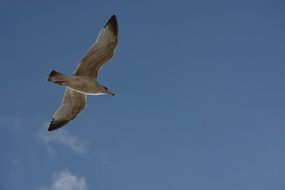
point(82, 85)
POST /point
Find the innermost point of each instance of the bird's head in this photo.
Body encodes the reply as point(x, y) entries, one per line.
point(104, 90)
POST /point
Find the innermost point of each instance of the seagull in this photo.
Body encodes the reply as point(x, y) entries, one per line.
point(84, 82)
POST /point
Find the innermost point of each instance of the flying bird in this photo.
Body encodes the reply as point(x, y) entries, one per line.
point(84, 82)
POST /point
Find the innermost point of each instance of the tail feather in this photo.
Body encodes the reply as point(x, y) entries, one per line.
point(57, 77)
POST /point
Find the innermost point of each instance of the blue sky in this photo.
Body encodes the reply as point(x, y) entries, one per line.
point(200, 96)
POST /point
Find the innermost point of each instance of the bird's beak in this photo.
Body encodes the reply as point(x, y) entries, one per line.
point(111, 93)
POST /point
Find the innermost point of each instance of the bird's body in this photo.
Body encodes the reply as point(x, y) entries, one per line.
point(84, 82)
point(81, 84)
point(84, 85)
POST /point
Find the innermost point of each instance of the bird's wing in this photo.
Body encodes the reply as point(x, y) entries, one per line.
point(101, 51)
point(72, 104)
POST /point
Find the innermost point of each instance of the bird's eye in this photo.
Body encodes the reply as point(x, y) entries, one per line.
point(105, 88)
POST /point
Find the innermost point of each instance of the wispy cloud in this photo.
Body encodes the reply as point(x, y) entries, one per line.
point(104, 157)
point(64, 180)
point(64, 138)
point(10, 121)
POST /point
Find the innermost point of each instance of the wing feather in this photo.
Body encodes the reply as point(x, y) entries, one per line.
point(101, 51)
point(72, 104)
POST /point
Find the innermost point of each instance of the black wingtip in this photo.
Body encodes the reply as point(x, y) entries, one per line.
point(51, 125)
point(113, 23)
point(56, 124)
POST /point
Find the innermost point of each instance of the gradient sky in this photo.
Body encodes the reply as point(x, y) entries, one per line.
point(200, 96)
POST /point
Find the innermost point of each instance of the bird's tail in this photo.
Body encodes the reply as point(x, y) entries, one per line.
point(57, 78)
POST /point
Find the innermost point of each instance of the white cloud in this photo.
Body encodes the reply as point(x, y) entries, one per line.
point(64, 180)
point(64, 138)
